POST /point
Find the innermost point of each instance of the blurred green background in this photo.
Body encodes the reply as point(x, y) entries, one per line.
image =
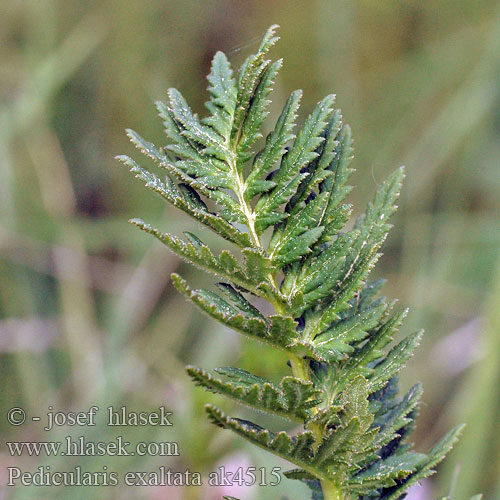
point(87, 313)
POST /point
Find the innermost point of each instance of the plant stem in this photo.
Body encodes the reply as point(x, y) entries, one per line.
point(298, 368)
point(331, 491)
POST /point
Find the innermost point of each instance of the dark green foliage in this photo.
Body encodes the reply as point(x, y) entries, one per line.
point(292, 399)
point(327, 315)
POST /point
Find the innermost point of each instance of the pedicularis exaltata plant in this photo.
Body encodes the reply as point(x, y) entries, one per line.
point(282, 211)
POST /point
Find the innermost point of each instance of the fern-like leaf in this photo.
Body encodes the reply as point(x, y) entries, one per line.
point(283, 210)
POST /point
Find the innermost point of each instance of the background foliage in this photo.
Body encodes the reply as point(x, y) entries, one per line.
point(88, 314)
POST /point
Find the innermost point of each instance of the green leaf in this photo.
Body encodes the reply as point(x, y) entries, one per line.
point(297, 235)
point(394, 361)
point(373, 349)
point(435, 456)
point(249, 326)
point(351, 440)
point(384, 204)
point(321, 168)
point(439, 451)
point(297, 450)
point(250, 75)
point(290, 400)
point(355, 403)
point(200, 255)
point(373, 228)
point(267, 206)
point(257, 264)
point(385, 472)
point(397, 417)
point(308, 139)
point(311, 267)
point(283, 330)
point(198, 133)
point(147, 148)
point(334, 185)
point(274, 148)
point(276, 331)
point(319, 274)
point(289, 174)
point(223, 92)
point(240, 301)
point(186, 199)
point(335, 342)
point(250, 132)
